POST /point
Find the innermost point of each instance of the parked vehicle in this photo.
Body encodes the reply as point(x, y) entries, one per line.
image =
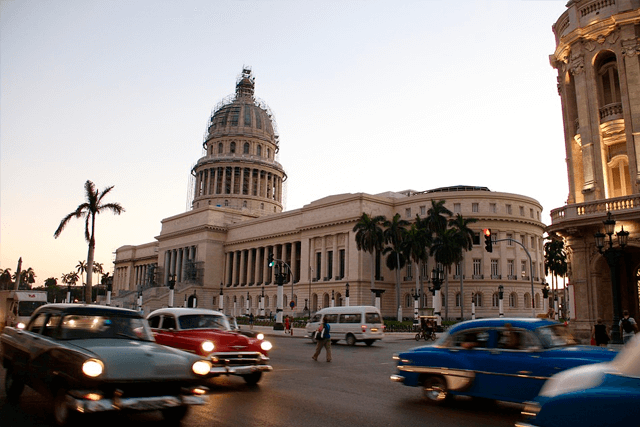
point(208, 333)
point(592, 395)
point(16, 307)
point(353, 324)
point(90, 358)
point(498, 359)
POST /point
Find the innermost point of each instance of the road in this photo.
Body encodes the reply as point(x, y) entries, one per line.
point(353, 390)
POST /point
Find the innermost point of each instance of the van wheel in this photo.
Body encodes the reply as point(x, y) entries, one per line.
point(369, 342)
point(351, 340)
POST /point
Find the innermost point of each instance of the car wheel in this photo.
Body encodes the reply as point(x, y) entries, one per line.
point(13, 385)
point(435, 390)
point(418, 336)
point(174, 415)
point(433, 336)
point(62, 413)
point(351, 340)
point(369, 342)
point(334, 341)
point(253, 378)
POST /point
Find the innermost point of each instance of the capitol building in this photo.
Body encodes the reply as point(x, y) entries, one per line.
point(215, 255)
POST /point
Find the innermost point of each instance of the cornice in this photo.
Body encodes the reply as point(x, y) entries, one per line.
point(191, 230)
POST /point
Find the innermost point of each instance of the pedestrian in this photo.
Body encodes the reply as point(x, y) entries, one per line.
point(628, 327)
point(599, 333)
point(251, 320)
point(287, 325)
point(323, 338)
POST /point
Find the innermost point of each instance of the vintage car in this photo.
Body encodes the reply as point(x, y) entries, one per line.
point(250, 333)
point(606, 394)
point(208, 333)
point(495, 359)
point(90, 358)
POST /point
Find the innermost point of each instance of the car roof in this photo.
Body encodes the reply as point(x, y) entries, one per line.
point(497, 322)
point(183, 311)
point(345, 309)
point(88, 309)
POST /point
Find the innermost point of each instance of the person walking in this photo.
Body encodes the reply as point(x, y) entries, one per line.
point(323, 337)
point(628, 327)
point(287, 325)
point(251, 320)
point(599, 333)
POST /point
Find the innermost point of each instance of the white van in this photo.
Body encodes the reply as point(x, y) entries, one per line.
point(352, 324)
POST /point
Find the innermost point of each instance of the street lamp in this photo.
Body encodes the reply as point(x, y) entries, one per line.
point(221, 301)
point(333, 299)
point(437, 277)
point(172, 285)
point(545, 296)
point(262, 302)
point(473, 306)
point(612, 255)
point(416, 310)
point(347, 294)
point(500, 297)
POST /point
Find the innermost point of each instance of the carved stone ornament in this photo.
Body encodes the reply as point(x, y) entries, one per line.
point(577, 65)
point(630, 47)
point(613, 37)
point(590, 44)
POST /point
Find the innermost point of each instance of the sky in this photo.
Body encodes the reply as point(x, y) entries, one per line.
point(369, 96)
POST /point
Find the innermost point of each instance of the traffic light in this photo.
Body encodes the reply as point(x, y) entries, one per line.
point(271, 262)
point(488, 244)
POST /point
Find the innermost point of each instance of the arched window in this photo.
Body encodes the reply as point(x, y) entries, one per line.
point(478, 299)
point(226, 203)
point(538, 301)
point(527, 300)
point(457, 299)
point(407, 300)
point(495, 300)
point(266, 301)
point(259, 150)
point(442, 298)
point(268, 153)
point(232, 148)
point(513, 300)
point(220, 148)
point(325, 302)
point(245, 148)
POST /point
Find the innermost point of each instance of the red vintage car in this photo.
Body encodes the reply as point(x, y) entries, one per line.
point(208, 333)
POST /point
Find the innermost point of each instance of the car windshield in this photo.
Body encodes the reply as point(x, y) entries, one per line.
point(556, 336)
point(204, 321)
point(74, 327)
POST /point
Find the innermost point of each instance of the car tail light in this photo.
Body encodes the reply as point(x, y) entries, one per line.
point(364, 328)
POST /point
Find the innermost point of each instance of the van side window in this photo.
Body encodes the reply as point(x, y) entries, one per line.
point(331, 318)
point(315, 318)
point(372, 318)
point(350, 318)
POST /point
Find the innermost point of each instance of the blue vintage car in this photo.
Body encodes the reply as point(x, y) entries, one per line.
point(606, 394)
point(498, 359)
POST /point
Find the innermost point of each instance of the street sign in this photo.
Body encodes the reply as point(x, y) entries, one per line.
point(292, 304)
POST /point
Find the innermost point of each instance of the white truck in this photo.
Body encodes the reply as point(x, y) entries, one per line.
point(16, 307)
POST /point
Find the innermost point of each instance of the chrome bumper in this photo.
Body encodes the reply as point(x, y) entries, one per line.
point(239, 370)
point(397, 378)
point(133, 403)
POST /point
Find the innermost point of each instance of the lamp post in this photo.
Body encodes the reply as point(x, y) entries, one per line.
point(545, 296)
point(109, 289)
point(333, 299)
point(262, 302)
point(612, 255)
point(221, 300)
point(416, 302)
point(500, 297)
point(172, 285)
point(437, 277)
point(346, 299)
point(473, 306)
point(194, 299)
point(246, 305)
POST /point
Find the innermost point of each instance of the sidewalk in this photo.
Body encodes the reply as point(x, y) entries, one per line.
point(301, 333)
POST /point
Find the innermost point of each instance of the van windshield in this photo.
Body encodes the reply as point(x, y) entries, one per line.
point(373, 318)
point(26, 308)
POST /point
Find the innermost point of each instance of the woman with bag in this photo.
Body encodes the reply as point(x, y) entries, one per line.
point(323, 339)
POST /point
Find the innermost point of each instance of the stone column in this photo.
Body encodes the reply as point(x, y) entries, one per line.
point(234, 268)
point(335, 261)
point(243, 267)
point(294, 257)
point(250, 275)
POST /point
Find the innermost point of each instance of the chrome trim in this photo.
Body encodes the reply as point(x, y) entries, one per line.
point(133, 403)
point(239, 370)
point(397, 378)
point(466, 373)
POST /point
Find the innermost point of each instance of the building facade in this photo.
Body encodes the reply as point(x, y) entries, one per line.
point(216, 254)
point(597, 56)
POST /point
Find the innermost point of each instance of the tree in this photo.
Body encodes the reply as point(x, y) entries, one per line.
point(27, 278)
point(89, 210)
point(555, 261)
point(81, 268)
point(437, 218)
point(5, 279)
point(446, 250)
point(394, 233)
point(369, 237)
point(465, 237)
point(416, 243)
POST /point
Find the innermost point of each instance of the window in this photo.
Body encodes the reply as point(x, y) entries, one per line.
point(493, 208)
point(423, 210)
point(456, 208)
point(510, 238)
point(318, 265)
point(513, 300)
point(407, 300)
point(495, 269)
point(341, 255)
point(329, 265)
point(409, 271)
point(232, 148)
point(475, 207)
point(478, 299)
point(495, 298)
point(531, 213)
point(510, 268)
point(476, 238)
point(527, 300)
point(523, 267)
point(350, 318)
point(508, 208)
point(245, 148)
point(522, 239)
point(458, 269)
point(259, 150)
point(457, 299)
point(477, 266)
point(407, 213)
point(247, 115)
point(268, 153)
point(521, 210)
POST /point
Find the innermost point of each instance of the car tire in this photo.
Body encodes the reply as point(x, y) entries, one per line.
point(418, 336)
point(174, 415)
point(435, 390)
point(369, 342)
point(253, 378)
point(13, 385)
point(351, 340)
point(62, 412)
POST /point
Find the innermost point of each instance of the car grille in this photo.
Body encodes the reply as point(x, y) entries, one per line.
point(142, 389)
point(240, 358)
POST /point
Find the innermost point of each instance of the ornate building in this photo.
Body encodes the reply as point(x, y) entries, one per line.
point(597, 58)
point(216, 254)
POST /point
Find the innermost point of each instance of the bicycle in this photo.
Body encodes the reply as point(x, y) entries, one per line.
point(426, 335)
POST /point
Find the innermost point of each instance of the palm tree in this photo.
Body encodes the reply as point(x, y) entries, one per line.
point(28, 278)
point(369, 237)
point(555, 261)
point(394, 233)
point(465, 237)
point(446, 250)
point(415, 246)
point(436, 221)
point(5, 279)
point(81, 268)
point(89, 210)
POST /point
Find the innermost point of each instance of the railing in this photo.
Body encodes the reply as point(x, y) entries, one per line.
point(596, 208)
point(611, 112)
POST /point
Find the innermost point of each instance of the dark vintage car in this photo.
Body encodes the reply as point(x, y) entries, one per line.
point(605, 394)
point(90, 358)
point(496, 359)
point(208, 333)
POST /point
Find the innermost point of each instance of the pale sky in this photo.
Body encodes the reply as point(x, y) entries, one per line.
point(369, 96)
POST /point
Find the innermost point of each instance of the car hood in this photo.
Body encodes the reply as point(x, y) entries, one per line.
point(131, 359)
point(221, 338)
point(590, 352)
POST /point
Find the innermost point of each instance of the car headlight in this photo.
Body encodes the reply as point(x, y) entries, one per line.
point(207, 346)
point(260, 336)
point(20, 325)
point(201, 367)
point(93, 368)
point(265, 345)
